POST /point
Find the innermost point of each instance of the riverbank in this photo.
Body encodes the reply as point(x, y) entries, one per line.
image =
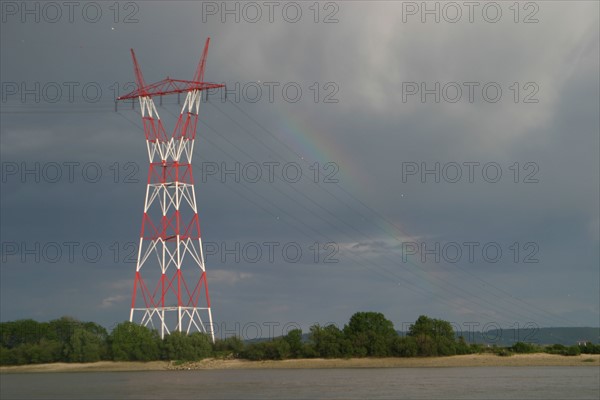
point(470, 360)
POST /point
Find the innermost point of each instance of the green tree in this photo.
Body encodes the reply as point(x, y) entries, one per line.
point(84, 346)
point(28, 341)
point(16, 355)
point(370, 334)
point(86, 343)
point(45, 351)
point(177, 346)
point(181, 346)
point(436, 328)
point(294, 340)
point(202, 344)
point(405, 347)
point(521, 347)
point(233, 346)
point(308, 350)
point(22, 331)
point(254, 352)
point(329, 341)
point(276, 349)
point(132, 342)
point(62, 329)
point(462, 347)
point(433, 336)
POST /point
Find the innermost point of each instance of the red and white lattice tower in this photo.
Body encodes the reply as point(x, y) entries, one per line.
point(170, 290)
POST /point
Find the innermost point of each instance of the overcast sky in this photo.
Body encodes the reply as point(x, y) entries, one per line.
point(447, 168)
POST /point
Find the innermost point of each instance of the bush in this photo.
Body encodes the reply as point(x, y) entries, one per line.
point(277, 349)
point(589, 348)
point(178, 346)
point(14, 356)
point(308, 351)
point(231, 346)
point(181, 346)
point(405, 347)
point(503, 352)
point(556, 349)
point(572, 351)
point(132, 342)
point(202, 343)
point(524, 348)
point(461, 347)
point(478, 348)
point(84, 347)
point(64, 339)
point(254, 352)
point(446, 347)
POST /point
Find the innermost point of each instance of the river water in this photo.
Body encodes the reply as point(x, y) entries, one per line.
point(381, 383)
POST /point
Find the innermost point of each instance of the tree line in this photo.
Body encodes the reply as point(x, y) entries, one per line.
point(367, 334)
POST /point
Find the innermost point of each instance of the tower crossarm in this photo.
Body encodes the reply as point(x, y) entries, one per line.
point(170, 86)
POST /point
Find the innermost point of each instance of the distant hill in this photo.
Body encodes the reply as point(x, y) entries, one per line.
point(541, 336)
point(508, 337)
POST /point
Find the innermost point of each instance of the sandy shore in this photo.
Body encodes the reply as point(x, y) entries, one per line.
point(471, 360)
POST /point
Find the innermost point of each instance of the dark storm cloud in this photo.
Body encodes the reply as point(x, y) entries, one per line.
point(375, 134)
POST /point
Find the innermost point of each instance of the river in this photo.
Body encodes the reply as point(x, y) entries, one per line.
point(373, 383)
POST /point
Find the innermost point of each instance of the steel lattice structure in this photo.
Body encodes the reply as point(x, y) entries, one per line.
point(170, 240)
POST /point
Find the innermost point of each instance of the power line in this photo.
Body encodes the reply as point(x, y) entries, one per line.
point(445, 282)
point(374, 212)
